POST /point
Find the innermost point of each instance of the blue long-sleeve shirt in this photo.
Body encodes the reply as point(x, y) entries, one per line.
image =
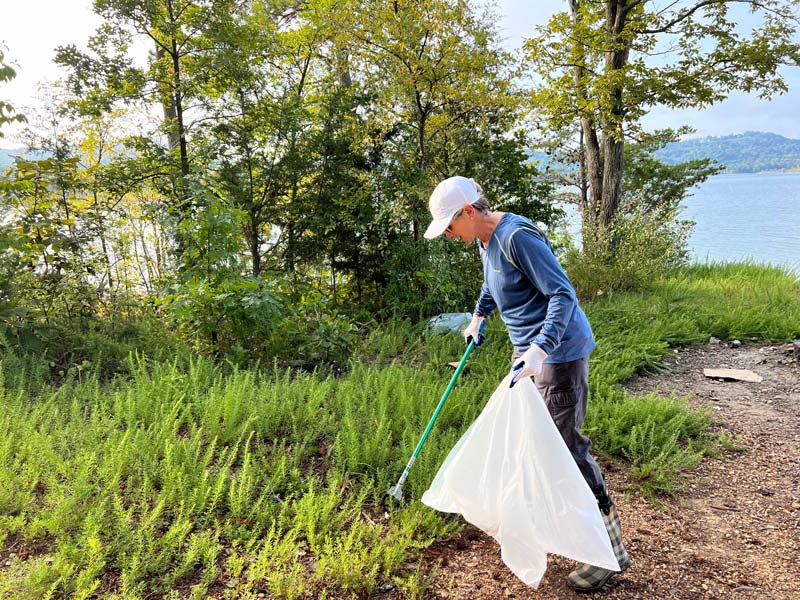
point(524, 280)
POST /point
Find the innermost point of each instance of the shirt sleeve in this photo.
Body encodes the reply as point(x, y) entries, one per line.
point(536, 260)
point(486, 304)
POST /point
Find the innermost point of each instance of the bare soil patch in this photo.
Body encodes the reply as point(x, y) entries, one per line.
point(733, 533)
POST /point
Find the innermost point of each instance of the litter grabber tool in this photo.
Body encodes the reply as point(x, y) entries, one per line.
point(396, 491)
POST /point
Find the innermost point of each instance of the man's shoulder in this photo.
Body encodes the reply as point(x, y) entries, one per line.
point(510, 223)
point(509, 234)
point(513, 225)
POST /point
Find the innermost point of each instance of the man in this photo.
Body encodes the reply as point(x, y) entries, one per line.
point(550, 333)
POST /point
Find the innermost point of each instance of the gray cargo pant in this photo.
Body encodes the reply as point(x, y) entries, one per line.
point(565, 387)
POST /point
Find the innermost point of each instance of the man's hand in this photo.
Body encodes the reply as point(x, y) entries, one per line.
point(530, 363)
point(474, 330)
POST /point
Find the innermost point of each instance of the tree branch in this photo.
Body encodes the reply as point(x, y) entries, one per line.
point(685, 14)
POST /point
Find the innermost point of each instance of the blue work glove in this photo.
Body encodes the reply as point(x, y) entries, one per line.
point(530, 363)
point(474, 330)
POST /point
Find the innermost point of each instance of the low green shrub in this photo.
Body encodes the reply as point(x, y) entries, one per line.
point(628, 257)
point(64, 349)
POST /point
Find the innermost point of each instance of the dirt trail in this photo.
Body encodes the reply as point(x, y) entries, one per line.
point(735, 531)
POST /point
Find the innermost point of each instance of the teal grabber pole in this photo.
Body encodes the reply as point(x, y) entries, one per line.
point(396, 491)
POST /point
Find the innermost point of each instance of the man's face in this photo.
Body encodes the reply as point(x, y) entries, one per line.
point(460, 227)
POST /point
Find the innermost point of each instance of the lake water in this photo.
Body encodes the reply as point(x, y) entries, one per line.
point(752, 216)
point(747, 216)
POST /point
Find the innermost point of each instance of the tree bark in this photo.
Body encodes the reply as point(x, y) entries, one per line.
point(178, 94)
point(255, 243)
point(616, 58)
point(173, 116)
point(594, 168)
point(176, 129)
point(592, 158)
point(613, 151)
point(584, 182)
point(604, 154)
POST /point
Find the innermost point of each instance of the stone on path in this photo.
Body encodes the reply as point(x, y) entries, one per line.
point(736, 374)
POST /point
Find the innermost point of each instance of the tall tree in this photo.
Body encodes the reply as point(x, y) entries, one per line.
point(178, 33)
point(440, 79)
point(605, 64)
point(258, 106)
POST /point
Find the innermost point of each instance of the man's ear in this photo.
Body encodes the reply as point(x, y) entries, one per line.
point(470, 210)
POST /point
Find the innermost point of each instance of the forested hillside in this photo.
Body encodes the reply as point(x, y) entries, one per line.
point(749, 152)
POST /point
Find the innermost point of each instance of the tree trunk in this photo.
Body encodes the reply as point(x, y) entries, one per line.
point(604, 160)
point(255, 243)
point(178, 93)
point(584, 182)
point(594, 168)
point(289, 254)
point(612, 180)
point(613, 136)
point(292, 243)
point(591, 156)
point(176, 131)
point(342, 67)
point(179, 131)
point(333, 275)
point(173, 118)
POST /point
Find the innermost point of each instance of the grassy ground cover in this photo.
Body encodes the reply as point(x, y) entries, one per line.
point(179, 480)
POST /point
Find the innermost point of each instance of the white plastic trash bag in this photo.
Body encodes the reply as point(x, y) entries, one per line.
point(447, 322)
point(512, 476)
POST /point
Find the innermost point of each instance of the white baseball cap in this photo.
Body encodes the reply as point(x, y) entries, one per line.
point(447, 199)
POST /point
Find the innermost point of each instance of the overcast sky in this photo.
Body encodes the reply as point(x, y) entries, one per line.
point(31, 29)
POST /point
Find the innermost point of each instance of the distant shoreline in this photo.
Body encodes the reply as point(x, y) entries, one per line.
point(795, 171)
point(749, 152)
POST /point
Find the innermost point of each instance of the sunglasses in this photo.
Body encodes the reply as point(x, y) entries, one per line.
point(455, 216)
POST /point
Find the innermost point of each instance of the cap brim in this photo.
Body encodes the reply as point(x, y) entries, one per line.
point(437, 227)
